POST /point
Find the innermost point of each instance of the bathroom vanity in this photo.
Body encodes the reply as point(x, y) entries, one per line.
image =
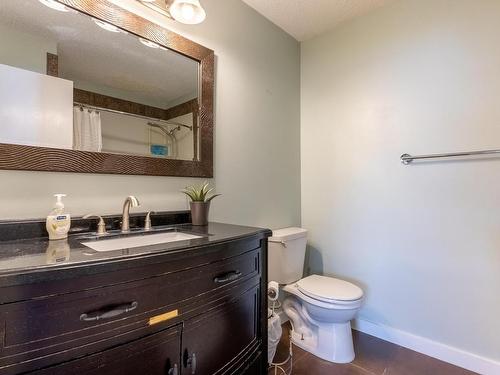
point(192, 306)
point(112, 93)
point(108, 92)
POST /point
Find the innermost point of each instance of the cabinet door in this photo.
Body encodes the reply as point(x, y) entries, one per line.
point(213, 342)
point(156, 354)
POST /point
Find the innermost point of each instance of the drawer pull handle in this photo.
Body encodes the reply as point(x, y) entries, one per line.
point(108, 314)
point(230, 276)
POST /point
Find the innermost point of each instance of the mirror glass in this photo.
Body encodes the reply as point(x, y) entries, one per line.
point(74, 82)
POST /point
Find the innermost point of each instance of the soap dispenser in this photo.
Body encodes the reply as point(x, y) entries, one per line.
point(58, 222)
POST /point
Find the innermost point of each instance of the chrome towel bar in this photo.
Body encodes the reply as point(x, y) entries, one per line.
point(407, 158)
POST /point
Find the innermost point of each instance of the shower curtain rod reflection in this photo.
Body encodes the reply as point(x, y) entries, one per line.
point(166, 122)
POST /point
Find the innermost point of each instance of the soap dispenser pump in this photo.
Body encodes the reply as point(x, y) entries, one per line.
point(58, 222)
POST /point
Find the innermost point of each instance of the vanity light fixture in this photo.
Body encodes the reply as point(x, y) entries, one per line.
point(52, 4)
point(107, 26)
point(189, 12)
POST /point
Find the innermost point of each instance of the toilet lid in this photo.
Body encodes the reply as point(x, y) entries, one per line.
point(328, 288)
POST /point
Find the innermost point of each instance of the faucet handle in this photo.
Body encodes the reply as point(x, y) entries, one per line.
point(147, 221)
point(101, 226)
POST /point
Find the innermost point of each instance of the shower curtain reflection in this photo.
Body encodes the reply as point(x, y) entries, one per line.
point(86, 130)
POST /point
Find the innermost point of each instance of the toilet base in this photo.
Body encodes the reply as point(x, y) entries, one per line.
point(331, 342)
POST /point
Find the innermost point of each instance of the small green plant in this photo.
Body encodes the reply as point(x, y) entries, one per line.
point(200, 193)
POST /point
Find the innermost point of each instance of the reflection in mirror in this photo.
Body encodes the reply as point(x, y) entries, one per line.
point(74, 82)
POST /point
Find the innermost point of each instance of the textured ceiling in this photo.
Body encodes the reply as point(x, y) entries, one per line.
point(304, 19)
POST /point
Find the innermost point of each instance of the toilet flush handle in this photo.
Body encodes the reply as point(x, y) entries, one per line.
point(283, 243)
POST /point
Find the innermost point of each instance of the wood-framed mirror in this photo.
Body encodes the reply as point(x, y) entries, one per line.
point(88, 87)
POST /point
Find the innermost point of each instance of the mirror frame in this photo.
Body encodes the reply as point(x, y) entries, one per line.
point(33, 158)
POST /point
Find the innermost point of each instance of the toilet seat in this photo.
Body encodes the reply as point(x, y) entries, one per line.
point(326, 304)
point(329, 289)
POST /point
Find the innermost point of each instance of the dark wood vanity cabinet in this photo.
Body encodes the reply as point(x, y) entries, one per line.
point(198, 311)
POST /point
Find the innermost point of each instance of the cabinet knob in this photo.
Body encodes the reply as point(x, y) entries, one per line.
point(174, 370)
point(190, 361)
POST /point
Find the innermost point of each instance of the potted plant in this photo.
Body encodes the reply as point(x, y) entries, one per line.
point(200, 202)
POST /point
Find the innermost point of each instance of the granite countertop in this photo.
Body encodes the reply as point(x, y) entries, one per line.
point(34, 254)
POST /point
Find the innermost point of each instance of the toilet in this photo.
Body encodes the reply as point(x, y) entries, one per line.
point(320, 308)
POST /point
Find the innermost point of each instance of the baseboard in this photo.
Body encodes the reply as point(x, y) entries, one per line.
point(431, 348)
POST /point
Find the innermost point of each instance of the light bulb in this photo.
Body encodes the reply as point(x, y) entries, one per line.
point(55, 5)
point(187, 11)
point(107, 26)
point(149, 43)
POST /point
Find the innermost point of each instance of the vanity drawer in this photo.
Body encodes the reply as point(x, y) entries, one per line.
point(48, 325)
point(40, 284)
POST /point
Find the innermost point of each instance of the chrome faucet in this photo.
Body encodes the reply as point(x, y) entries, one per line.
point(129, 201)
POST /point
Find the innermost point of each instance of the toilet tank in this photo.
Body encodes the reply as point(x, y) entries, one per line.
point(286, 253)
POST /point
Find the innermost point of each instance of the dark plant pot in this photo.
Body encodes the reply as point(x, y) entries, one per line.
point(199, 212)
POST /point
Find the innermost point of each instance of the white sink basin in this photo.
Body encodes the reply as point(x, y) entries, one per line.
point(138, 241)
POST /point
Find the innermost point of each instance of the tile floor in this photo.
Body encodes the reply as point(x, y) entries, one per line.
point(373, 357)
